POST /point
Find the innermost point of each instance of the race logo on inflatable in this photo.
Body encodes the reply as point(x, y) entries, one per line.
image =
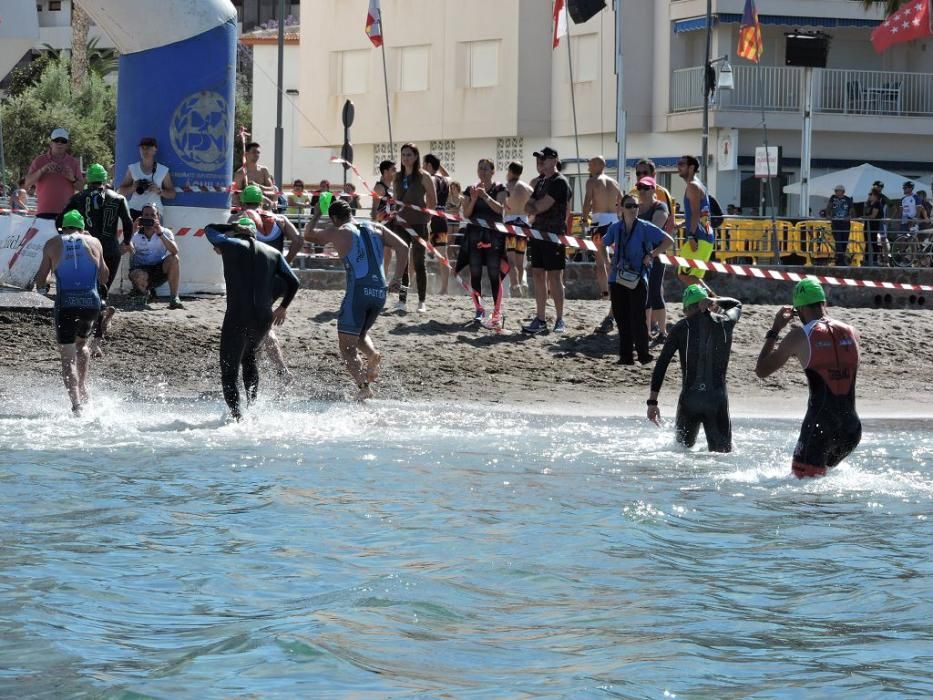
point(199, 129)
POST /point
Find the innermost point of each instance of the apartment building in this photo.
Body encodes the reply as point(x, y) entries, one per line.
point(482, 80)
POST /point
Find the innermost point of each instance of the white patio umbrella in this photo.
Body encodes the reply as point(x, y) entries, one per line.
point(857, 181)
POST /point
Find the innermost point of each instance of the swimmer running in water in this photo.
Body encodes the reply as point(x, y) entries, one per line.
point(77, 259)
point(360, 247)
point(250, 270)
point(828, 351)
point(704, 341)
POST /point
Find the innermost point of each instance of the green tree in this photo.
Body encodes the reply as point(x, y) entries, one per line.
point(89, 114)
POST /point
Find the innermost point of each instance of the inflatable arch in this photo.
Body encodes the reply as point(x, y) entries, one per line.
point(176, 83)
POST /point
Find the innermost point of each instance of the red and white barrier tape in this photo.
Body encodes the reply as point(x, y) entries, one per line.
point(783, 276)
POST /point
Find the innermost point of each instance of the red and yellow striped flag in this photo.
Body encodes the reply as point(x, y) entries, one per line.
point(750, 44)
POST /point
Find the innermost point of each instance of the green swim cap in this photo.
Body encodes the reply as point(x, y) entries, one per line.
point(693, 294)
point(247, 222)
point(808, 292)
point(73, 219)
point(251, 195)
point(324, 201)
point(96, 173)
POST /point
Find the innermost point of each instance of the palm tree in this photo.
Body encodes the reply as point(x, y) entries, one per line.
point(79, 26)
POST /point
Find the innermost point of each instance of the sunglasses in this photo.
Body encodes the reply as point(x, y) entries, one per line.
point(59, 140)
point(630, 205)
point(642, 173)
point(643, 188)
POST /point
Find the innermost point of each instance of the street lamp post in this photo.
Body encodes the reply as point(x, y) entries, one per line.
point(710, 82)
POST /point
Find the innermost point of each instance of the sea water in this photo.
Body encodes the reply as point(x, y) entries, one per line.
point(418, 550)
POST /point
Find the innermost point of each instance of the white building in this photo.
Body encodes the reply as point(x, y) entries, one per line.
point(483, 81)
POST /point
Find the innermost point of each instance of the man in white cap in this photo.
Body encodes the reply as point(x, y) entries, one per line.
point(56, 175)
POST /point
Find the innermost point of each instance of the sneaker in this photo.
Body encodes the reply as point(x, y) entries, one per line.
point(559, 326)
point(536, 326)
point(658, 339)
point(401, 307)
point(646, 359)
point(136, 293)
point(606, 326)
point(152, 295)
point(175, 303)
point(479, 315)
point(422, 307)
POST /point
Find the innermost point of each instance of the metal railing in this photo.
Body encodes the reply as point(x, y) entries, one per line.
point(836, 91)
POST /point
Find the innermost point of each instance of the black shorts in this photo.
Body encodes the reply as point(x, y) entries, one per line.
point(72, 323)
point(157, 276)
point(826, 438)
point(547, 255)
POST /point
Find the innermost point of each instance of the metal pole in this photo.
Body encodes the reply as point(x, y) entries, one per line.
point(573, 101)
point(279, 132)
point(3, 161)
point(385, 80)
point(620, 102)
point(706, 88)
point(775, 249)
point(806, 139)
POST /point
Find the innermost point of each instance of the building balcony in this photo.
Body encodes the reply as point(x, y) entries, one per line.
point(835, 92)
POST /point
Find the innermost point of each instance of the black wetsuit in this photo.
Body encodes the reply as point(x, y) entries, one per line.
point(484, 248)
point(250, 269)
point(704, 342)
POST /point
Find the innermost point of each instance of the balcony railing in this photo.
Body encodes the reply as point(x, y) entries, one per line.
point(835, 91)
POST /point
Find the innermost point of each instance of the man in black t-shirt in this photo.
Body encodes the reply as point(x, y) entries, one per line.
point(548, 205)
point(438, 227)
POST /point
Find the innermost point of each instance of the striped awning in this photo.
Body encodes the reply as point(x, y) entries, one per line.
point(697, 23)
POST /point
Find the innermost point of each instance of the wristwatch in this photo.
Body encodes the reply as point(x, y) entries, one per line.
point(651, 402)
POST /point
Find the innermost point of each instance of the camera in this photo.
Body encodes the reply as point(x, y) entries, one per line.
point(142, 186)
point(146, 221)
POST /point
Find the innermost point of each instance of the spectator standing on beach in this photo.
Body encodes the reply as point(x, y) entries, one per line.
point(154, 259)
point(438, 227)
point(698, 234)
point(600, 204)
point(254, 173)
point(703, 341)
point(250, 270)
point(654, 211)
point(908, 210)
point(839, 208)
point(637, 244)
point(381, 210)
point(484, 247)
point(147, 181)
point(548, 204)
point(359, 245)
point(415, 187)
point(351, 197)
point(56, 175)
point(77, 260)
point(518, 195)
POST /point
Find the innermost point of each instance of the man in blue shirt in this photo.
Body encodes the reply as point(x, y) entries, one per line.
point(636, 244)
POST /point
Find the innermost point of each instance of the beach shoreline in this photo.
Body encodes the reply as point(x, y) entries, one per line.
point(441, 356)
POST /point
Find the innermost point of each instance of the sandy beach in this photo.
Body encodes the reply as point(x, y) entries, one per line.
point(441, 356)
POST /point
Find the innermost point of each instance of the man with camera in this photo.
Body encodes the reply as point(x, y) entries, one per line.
point(56, 174)
point(154, 257)
point(104, 212)
point(147, 181)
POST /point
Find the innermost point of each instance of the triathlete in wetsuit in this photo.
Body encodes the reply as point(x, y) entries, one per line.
point(78, 263)
point(360, 246)
point(704, 342)
point(103, 210)
point(828, 351)
point(250, 270)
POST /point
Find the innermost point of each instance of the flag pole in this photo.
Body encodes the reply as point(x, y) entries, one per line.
point(385, 80)
point(620, 104)
point(770, 190)
point(573, 100)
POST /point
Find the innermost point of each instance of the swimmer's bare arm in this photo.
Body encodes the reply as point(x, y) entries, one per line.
point(430, 192)
point(693, 194)
point(97, 252)
point(295, 241)
point(51, 252)
point(588, 200)
point(772, 358)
